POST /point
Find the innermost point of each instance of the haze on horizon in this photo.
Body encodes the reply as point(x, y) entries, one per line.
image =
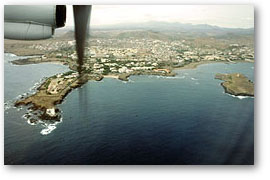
point(229, 16)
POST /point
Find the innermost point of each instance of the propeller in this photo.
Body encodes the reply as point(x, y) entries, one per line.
point(81, 21)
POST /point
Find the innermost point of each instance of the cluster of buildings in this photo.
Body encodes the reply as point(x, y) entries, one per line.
point(53, 46)
point(112, 55)
point(126, 55)
point(60, 82)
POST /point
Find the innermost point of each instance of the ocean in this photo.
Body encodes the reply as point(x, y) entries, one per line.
point(187, 119)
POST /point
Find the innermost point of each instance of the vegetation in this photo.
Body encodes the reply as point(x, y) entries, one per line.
point(106, 70)
point(47, 83)
point(67, 73)
point(236, 84)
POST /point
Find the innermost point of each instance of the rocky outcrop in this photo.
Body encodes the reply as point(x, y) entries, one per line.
point(46, 102)
point(236, 84)
point(124, 76)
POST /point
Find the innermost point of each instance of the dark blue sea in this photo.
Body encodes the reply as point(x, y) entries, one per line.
point(187, 119)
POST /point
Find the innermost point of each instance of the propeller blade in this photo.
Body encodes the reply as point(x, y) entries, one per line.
point(81, 21)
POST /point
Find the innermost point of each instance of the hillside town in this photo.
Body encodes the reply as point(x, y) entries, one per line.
point(116, 55)
point(121, 56)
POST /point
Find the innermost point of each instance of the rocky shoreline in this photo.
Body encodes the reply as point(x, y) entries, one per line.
point(44, 101)
point(236, 84)
point(32, 60)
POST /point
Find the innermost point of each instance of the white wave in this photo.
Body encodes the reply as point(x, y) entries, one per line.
point(7, 105)
point(24, 116)
point(240, 97)
point(49, 128)
point(171, 77)
point(181, 77)
point(130, 81)
point(194, 79)
point(166, 77)
point(102, 81)
point(10, 55)
point(32, 124)
point(19, 96)
point(32, 88)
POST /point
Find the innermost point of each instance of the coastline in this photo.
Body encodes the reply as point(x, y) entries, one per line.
point(111, 76)
point(194, 65)
point(236, 84)
point(46, 101)
point(33, 60)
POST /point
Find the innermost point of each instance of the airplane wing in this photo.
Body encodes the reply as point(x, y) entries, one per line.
point(33, 22)
point(39, 22)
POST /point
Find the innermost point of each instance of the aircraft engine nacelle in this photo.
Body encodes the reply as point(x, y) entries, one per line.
point(33, 22)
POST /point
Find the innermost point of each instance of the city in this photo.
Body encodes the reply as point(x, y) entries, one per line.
point(117, 55)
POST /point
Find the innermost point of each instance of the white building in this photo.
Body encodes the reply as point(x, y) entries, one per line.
point(51, 112)
point(122, 69)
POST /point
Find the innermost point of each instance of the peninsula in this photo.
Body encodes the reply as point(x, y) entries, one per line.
point(52, 92)
point(236, 84)
point(121, 54)
point(55, 89)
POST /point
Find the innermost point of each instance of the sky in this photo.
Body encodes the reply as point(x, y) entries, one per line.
point(231, 16)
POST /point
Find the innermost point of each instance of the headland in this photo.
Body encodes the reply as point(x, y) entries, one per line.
point(236, 84)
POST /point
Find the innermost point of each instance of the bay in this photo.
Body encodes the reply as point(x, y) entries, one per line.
point(187, 119)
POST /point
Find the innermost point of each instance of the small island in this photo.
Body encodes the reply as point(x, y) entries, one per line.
point(236, 84)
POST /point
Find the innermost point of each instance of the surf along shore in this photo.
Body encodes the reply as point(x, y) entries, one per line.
point(54, 89)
